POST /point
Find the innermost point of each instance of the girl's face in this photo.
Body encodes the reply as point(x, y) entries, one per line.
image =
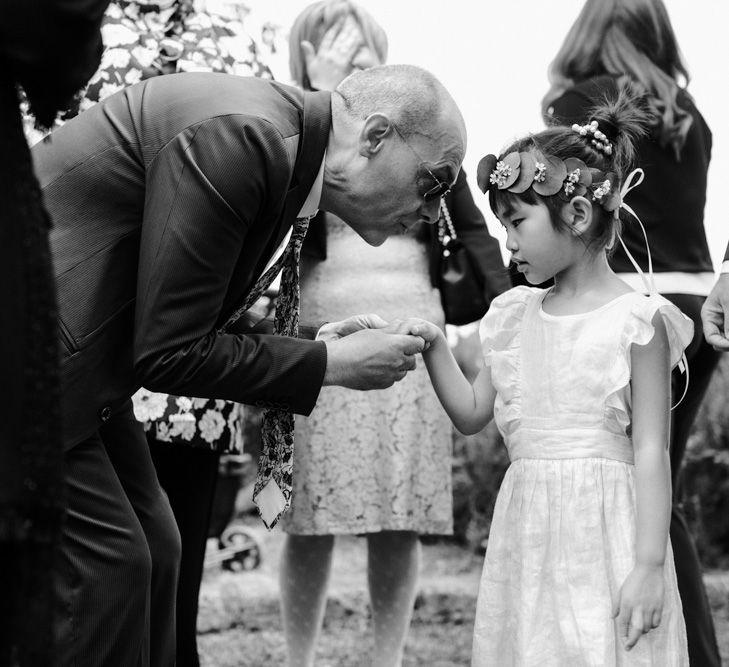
point(538, 249)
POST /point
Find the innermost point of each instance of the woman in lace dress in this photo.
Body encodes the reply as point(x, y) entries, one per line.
point(373, 463)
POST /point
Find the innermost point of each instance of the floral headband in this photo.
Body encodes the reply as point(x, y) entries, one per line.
point(548, 175)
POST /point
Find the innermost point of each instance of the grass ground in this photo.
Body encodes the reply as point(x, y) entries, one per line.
point(240, 624)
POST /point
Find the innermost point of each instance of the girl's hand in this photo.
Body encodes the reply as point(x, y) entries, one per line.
point(640, 603)
point(414, 326)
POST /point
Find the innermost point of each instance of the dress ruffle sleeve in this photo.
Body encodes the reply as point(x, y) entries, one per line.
point(500, 327)
point(639, 328)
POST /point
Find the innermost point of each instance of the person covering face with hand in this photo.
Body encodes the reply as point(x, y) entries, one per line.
point(376, 464)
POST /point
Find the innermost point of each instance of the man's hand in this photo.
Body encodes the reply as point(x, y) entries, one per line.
point(336, 330)
point(639, 606)
point(714, 315)
point(332, 63)
point(370, 359)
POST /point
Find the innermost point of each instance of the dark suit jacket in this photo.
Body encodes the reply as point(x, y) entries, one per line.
point(168, 199)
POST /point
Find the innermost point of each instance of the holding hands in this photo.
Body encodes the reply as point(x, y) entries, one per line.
point(365, 352)
point(639, 606)
point(414, 326)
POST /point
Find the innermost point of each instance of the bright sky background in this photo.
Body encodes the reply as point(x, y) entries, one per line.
point(493, 58)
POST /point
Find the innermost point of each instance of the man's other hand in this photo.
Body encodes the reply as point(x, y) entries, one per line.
point(715, 315)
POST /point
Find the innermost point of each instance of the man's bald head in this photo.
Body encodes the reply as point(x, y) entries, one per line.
point(397, 138)
point(411, 96)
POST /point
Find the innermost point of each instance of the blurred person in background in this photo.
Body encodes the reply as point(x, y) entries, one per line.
point(48, 49)
point(376, 465)
point(613, 41)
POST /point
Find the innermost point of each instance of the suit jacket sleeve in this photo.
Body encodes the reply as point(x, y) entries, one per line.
point(208, 191)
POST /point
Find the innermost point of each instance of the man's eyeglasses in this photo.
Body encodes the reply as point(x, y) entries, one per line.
point(440, 189)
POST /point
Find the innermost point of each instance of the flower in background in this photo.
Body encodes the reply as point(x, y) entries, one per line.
point(149, 405)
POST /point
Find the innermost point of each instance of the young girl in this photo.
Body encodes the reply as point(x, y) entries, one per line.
point(578, 569)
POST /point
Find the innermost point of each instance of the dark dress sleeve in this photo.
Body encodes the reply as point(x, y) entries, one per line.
point(470, 226)
point(52, 47)
point(571, 107)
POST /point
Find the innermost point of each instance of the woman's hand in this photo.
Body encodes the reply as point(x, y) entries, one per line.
point(639, 606)
point(332, 63)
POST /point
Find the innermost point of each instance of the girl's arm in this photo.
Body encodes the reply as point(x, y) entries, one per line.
point(469, 406)
point(640, 601)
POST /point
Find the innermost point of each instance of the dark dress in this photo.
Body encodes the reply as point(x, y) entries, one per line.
point(670, 203)
point(50, 48)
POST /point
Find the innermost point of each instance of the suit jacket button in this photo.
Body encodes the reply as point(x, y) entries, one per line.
point(105, 413)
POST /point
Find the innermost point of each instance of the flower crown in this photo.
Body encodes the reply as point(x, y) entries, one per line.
point(548, 175)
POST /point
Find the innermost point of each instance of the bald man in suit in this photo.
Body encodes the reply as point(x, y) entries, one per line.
point(169, 200)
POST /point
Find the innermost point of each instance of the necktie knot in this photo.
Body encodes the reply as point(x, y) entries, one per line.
point(290, 257)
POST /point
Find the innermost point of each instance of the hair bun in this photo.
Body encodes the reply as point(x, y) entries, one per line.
point(608, 128)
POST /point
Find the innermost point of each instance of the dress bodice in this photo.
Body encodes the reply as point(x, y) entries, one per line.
point(563, 382)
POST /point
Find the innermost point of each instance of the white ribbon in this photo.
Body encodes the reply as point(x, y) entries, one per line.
point(638, 175)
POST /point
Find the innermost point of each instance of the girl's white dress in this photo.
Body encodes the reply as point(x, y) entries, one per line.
point(563, 533)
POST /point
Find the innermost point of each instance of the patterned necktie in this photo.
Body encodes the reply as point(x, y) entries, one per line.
point(272, 492)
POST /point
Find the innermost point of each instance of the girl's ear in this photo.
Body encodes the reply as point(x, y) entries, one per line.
point(371, 139)
point(579, 215)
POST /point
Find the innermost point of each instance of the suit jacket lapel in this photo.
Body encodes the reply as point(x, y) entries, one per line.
point(313, 143)
point(311, 147)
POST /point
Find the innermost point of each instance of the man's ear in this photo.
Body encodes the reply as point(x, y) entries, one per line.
point(371, 139)
point(578, 215)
